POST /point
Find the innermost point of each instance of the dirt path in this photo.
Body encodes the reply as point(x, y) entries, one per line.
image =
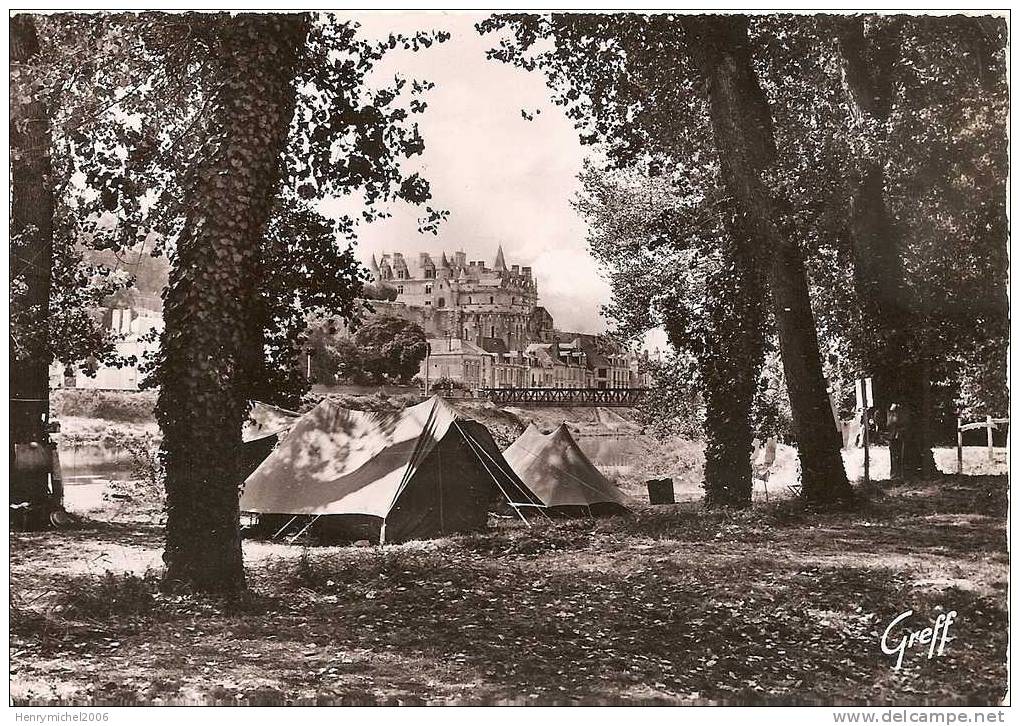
point(673, 605)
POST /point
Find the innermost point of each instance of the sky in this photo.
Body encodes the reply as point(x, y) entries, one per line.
point(504, 179)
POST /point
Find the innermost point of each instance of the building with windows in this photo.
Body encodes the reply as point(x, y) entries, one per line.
point(464, 299)
point(486, 329)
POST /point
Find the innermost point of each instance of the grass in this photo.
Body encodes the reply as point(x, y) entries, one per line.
point(773, 605)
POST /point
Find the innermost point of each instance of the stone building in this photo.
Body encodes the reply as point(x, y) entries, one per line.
point(486, 329)
point(459, 298)
point(131, 320)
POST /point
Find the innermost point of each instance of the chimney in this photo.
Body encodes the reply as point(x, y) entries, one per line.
point(516, 269)
point(526, 272)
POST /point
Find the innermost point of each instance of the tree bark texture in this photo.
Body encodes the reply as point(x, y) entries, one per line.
point(745, 143)
point(32, 209)
point(207, 340)
point(892, 344)
point(729, 366)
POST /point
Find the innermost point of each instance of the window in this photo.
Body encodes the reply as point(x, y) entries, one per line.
point(428, 302)
point(491, 299)
point(429, 273)
point(400, 289)
point(469, 299)
point(442, 302)
point(492, 331)
point(428, 289)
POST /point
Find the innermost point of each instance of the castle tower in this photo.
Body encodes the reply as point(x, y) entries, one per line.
point(374, 269)
point(500, 264)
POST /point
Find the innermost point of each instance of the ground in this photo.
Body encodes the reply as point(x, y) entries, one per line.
point(671, 605)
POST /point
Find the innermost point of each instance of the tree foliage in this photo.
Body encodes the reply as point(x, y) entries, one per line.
point(391, 348)
point(679, 97)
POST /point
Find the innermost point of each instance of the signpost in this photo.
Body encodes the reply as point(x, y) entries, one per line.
point(865, 400)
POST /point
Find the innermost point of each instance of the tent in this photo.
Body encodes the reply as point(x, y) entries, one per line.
point(557, 471)
point(265, 426)
point(421, 472)
point(266, 420)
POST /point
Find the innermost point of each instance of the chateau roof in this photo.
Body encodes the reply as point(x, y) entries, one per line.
point(494, 345)
point(375, 265)
point(500, 263)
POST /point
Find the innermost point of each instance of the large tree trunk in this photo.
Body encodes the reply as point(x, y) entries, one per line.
point(729, 366)
point(206, 344)
point(744, 138)
point(893, 330)
point(31, 243)
point(31, 261)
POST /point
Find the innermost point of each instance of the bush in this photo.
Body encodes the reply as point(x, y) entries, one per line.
point(445, 383)
point(121, 406)
point(143, 494)
point(107, 595)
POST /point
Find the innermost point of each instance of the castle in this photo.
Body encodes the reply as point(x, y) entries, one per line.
point(486, 329)
point(466, 300)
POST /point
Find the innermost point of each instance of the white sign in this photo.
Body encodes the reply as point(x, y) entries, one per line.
point(865, 396)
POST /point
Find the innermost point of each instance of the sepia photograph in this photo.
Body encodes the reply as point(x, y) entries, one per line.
point(509, 358)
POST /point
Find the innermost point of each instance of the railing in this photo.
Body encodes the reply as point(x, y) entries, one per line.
point(566, 396)
point(989, 424)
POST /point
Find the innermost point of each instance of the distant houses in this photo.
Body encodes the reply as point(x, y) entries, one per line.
point(574, 363)
point(134, 321)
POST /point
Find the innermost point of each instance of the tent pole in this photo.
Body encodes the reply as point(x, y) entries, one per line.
point(303, 529)
point(280, 531)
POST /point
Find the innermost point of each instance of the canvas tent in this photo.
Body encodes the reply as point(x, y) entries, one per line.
point(262, 430)
point(557, 471)
point(421, 472)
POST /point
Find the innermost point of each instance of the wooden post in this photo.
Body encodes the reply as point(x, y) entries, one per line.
point(989, 426)
point(867, 456)
point(959, 445)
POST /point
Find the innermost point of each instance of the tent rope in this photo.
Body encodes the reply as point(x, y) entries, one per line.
point(476, 449)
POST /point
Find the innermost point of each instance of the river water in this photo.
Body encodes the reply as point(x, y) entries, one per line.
point(92, 463)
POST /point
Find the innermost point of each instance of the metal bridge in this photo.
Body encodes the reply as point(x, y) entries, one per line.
point(566, 396)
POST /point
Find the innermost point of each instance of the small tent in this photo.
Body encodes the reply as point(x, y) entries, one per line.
point(557, 471)
point(265, 426)
point(422, 472)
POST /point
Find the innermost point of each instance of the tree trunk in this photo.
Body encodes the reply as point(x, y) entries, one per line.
point(32, 211)
point(891, 339)
point(729, 366)
point(206, 343)
point(744, 138)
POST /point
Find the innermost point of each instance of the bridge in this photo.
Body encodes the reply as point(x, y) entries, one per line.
point(565, 396)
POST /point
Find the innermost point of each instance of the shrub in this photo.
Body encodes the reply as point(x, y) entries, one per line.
point(122, 406)
point(445, 383)
point(144, 492)
point(107, 595)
